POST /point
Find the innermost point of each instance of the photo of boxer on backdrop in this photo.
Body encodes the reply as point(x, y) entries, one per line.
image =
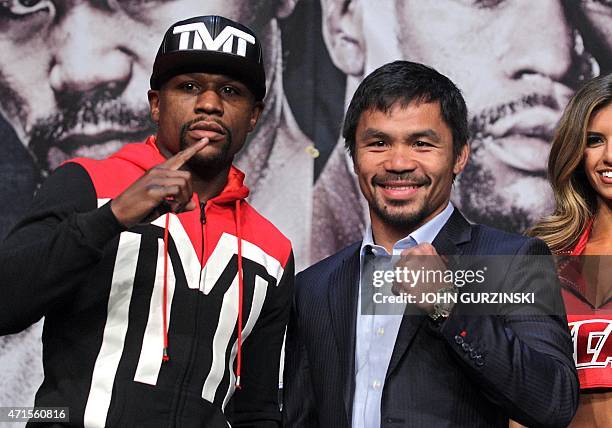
point(517, 63)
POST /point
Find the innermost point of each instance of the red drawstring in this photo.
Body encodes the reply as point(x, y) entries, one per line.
point(165, 357)
point(240, 296)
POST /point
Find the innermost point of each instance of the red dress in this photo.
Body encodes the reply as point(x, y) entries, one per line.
point(591, 328)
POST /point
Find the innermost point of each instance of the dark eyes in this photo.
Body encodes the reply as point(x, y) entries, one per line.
point(189, 87)
point(193, 87)
point(379, 143)
point(230, 90)
point(594, 140)
point(418, 144)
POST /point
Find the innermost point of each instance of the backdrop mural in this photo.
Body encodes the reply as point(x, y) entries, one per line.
point(74, 76)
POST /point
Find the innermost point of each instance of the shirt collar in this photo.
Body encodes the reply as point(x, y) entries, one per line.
point(426, 233)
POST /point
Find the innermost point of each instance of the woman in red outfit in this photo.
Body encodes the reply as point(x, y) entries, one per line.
point(580, 171)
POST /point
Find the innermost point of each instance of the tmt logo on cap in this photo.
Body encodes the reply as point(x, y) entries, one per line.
point(200, 38)
point(211, 44)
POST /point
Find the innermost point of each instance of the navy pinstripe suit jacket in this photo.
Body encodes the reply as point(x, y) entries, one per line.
point(514, 365)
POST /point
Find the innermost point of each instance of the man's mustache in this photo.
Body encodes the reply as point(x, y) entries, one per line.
point(407, 177)
point(112, 113)
point(479, 123)
point(186, 126)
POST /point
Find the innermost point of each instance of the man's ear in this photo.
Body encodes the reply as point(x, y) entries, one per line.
point(153, 96)
point(285, 8)
point(255, 114)
point(462, 159)
point(342, 32)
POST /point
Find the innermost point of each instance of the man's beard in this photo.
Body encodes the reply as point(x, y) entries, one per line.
point(208, 167)
point(62, 135)
point(390, 212)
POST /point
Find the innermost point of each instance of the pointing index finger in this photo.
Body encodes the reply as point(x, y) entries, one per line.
point(180, 158)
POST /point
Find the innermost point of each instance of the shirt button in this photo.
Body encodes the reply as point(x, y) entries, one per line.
point(380, 331)
point(376, 385)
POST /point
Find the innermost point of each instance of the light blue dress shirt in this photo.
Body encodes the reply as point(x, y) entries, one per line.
point(376, 334)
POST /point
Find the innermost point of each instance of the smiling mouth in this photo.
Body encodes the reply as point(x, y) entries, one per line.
point(399, 190)
point(607, 174)
point(399, 187)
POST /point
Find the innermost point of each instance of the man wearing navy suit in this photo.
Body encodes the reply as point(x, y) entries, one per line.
point(437, 365)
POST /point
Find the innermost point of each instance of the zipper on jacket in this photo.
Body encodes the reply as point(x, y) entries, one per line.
point(202, 212)
point(178, 411)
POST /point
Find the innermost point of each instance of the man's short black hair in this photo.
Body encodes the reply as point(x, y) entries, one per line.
point(405, 82)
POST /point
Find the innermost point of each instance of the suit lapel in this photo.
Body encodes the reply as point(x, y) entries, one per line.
point(343, 293)
point(455, 232)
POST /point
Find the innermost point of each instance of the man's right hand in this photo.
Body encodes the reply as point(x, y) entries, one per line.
point(423, 257)
point(164, 188)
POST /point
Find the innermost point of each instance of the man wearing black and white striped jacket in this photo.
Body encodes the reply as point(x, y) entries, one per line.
point(165, 294)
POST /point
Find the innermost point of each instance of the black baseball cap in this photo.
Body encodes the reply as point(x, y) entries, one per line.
point(211, 44)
